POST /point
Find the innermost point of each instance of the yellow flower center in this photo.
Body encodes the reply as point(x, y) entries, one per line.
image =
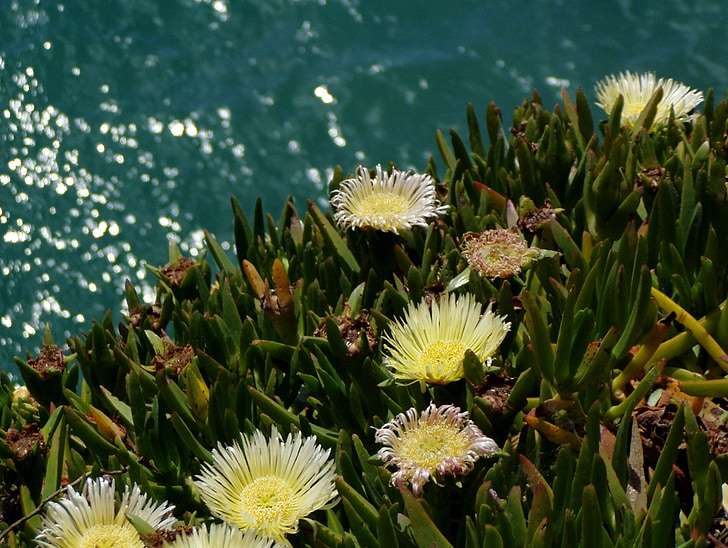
point(380, 204)
point(443, 359)
point(267, 499)
point(631, 111)
point(111, 536)
point(430, 443)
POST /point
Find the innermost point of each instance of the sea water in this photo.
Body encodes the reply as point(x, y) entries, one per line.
point(126, 124)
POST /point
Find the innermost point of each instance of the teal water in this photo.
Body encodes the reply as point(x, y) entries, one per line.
point(128, 123)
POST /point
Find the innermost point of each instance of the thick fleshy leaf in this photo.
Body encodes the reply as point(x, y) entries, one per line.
point(424, 529)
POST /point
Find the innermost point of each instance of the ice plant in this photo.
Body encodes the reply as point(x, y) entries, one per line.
point(221, 535)
point(387, 202)
point(637, 89)
point(441, 442)
point(268, 485)
point(497, 253)
point(92, 518)
point(428, 345)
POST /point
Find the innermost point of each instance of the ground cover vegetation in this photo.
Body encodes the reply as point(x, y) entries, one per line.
point(523, 345)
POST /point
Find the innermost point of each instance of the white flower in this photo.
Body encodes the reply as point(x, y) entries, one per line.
point(441, 442)
point(637, 89)
point(268, 485)
point(221, 535)
point(388, 202)
point(93, 519)
point(429, 343)
point(724, 503)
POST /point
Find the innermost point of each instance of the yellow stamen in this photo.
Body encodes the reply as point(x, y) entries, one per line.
point(430, 443)
point(111, 536)
point(632, 110)
point(267, 499)
point(442, 357)
point(382, 204)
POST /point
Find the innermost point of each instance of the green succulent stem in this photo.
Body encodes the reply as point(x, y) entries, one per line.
point(636, 367)
point(705, 339)
point(684, 341)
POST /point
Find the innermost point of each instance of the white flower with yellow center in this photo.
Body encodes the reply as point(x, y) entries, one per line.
point(637, 89)
point(441, 442)
point(221, 535)
point(387, 202)
point(428, 345)
point(92, 519)
point(724, 504)
point(268, 485)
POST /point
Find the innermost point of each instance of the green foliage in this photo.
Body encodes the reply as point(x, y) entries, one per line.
point(628, 296)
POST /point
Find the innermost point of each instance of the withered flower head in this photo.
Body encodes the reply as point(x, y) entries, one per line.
point(498, 253)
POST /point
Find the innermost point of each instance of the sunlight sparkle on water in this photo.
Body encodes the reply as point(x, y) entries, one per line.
point(557, 82)
point(81, 209)
point(90, 190)
point(322, 93)
point(335, 131)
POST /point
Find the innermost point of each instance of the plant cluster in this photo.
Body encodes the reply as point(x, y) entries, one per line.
point(522, 349)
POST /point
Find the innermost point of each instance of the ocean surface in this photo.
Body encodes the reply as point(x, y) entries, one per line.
point(125, 124)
